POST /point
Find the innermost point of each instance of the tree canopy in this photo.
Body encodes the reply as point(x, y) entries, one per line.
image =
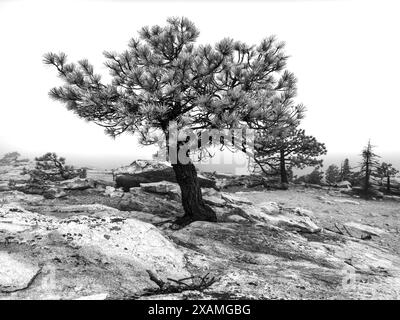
point(163, 76)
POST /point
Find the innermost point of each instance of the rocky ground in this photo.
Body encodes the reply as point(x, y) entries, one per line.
point(88, 240)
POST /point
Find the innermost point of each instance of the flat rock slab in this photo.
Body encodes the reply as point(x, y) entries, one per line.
point(100, 296)
point(17, 197)
point(346, 201)
point(15, 274)
point(365, 228)
point(99, 245)
point(270, 213)
point(130, 240)
point(13, 227)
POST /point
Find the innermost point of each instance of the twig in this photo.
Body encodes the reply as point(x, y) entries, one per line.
point(180, 286)
point(348, 231)
point(340, 231)
point(155, 279)
point(178, 282)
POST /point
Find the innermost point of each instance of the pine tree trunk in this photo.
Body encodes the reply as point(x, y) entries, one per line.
point(192, 200)
point(284, 178)
point(367, 174)
point(186, 176)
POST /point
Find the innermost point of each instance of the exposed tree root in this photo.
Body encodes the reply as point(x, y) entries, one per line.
point(197, 283)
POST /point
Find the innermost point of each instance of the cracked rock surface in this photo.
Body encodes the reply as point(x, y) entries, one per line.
point(15, 273)
point(102, 243)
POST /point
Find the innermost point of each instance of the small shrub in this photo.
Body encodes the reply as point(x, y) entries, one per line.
point(50, 167)
point(9, 157)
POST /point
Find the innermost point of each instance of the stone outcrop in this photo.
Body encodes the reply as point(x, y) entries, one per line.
point(13, 172)
point(76, 184)
point(141, 166)
point(148, 171)
point(15, 273)
point(247, 181)
point(54, 192)
point(95, 249)
point(343, 184)
point(162, 187)
point(270, 213)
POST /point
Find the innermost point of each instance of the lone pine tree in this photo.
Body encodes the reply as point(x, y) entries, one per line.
point(164, 77)
point(279, 145)
point(369, 165)
point(288, 149)
point(386, 170)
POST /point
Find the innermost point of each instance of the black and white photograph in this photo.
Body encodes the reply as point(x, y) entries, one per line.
point(228, 152)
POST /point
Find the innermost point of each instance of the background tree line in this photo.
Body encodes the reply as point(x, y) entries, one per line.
point(367, 176)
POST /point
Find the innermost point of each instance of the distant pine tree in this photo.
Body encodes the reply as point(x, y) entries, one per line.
point(386, 170)
point(369, 165)
point(345, 170)
point(293, 149)
point(332, 174)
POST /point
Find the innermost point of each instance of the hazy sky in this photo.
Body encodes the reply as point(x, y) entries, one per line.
point(346, 55)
